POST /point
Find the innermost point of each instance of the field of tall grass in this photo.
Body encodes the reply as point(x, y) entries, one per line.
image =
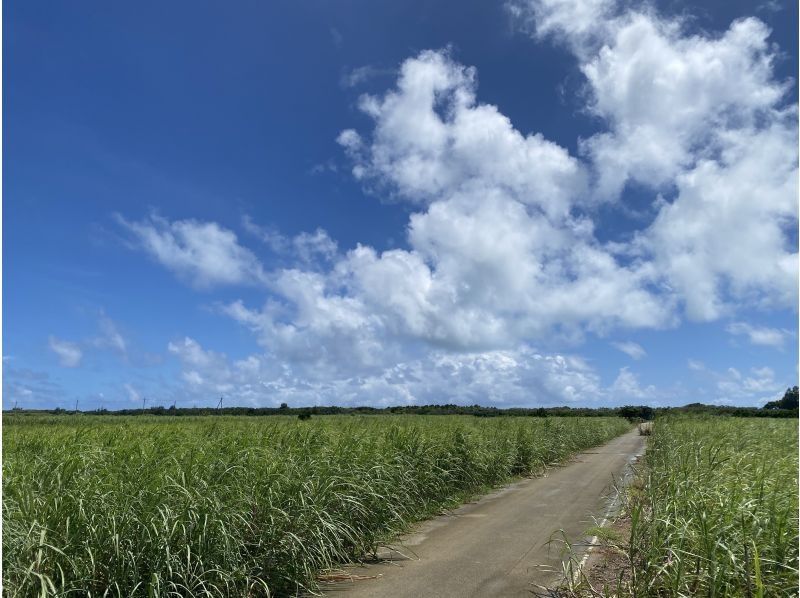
point(717, 513)
point(225, 506)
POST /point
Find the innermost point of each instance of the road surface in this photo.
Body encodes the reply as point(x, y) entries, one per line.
point(498, 546)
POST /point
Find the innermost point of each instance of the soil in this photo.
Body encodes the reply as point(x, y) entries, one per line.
point(608, 569)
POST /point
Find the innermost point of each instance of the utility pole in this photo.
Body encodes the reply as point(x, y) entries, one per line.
point(144, 400)
point(76, 405)
point(219, 405)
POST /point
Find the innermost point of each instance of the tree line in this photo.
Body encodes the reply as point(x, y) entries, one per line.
point(785, 407)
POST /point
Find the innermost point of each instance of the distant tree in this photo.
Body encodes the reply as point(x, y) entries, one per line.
point(304, 416)
point(636, 412)
point(789, 400)
point(284, 405)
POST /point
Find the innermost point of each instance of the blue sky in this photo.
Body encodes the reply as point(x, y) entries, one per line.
point(533, 203)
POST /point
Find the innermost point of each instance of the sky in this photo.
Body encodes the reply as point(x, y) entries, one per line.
point(530, 203)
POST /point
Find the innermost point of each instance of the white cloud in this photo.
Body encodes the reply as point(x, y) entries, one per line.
point(633, 350)
point(359, 75)
point(431, 138)
point(580, 24)
point(336, 37)
point(502, 250)
point(664, 92)
point(208, 374)
point(133, 394)
point(271, 237)
point(626, 386)
point(757, 386)
point(697, 366)
point(31, 389)
point(69, 354)
point(110, 336)
point(486, 269)
point(666, 96)
point(496, 257)
point(304, 248)
point(517, 377)
point(734, 387)
point(700, 113)
point(204, 254)
point(310, 246)
point(725, 241)
point(758, 335)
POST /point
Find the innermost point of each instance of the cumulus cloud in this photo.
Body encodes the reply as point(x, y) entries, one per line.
point(495, 254)
point(507, 378)
point(668, 96)
point(580, 24)
point(204, 254)
point(502, 251)
point(700, 114)
point(207, 374)
point(759, 335)
point(631, 349)
point(725, 241)
point(664, 92)
point(432, 137)
point(69, 354)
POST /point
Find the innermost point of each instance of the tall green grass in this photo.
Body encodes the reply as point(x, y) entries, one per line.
point(228, 506)
point(718, 511)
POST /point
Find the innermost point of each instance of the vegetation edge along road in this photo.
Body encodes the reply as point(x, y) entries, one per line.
point(233, 506)
point(713, 512)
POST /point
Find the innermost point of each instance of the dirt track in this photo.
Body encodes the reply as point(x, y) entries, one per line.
point(498, 546)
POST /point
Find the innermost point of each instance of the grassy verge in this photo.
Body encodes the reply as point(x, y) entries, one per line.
point(231, 506)
point(716, 514)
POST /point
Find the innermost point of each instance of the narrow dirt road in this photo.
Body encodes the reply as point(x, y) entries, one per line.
point(498, 546)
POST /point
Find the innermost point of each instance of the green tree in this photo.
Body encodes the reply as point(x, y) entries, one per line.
point(789, 400)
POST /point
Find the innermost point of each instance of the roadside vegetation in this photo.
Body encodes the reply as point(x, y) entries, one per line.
point(713, 513)
point(234, 506)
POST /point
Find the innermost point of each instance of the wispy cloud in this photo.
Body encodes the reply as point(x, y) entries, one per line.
point(204, 254)
point(336, 37)
point(760, 335)
point(755, 386)
point(110, 337)
point(631, 349)
point(362, 74)
point(695, 365)
point(69, 354)
point(305, 247)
